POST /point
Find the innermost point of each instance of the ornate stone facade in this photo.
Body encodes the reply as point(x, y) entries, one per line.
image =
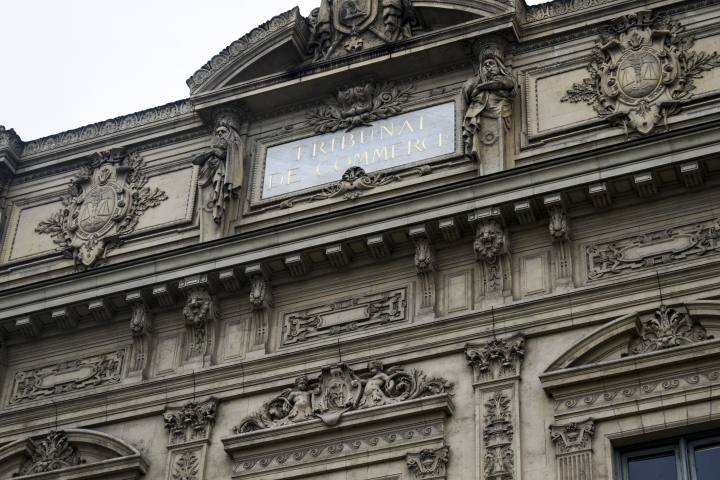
point(370, 184)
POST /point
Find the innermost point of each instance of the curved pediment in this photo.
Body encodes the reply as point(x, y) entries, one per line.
point(71, 454)
point(642, 333)
point(290, 40)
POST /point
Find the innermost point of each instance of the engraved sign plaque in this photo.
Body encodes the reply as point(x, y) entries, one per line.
point(400, 140)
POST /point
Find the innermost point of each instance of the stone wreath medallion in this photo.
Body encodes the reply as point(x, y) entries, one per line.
point(643, 70)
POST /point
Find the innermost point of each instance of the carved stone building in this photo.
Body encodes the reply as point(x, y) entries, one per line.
point(395, 239)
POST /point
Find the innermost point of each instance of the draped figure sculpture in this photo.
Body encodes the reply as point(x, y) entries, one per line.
point(489, 97)
point(221, 165)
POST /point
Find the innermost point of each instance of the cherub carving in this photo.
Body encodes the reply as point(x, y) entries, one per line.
point(379, 388)
point(300, 399)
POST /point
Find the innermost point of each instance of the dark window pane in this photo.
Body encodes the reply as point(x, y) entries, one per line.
point(661, 467)
point(707, 463)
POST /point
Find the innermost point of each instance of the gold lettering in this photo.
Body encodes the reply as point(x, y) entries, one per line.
point(426, 147)
point(272, 175)
point(318, 168)
point(379, 153)
point(348, 165)
point(352, 137)
point(394, 149)
point(333, 146)
point(422, 123)
point(407, 123)
point(360, 156)
point(385, 129)
point(316, 148)
point(362, 136)
point(417, 145)
point(299, 149)
point(441, 137)
point(291, 174)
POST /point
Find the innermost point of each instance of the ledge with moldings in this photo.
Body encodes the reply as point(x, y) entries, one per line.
point(363, 437)
point(669, 359)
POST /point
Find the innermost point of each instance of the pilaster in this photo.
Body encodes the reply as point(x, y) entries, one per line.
point(426, 265)
point(573, 449)
point(494, 254)
point(141, 326)
point(261, 302)
point(189, 429)
point(496, 367)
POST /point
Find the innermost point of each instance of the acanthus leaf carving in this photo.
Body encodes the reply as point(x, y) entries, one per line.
point(11, 141)
point(104, 203)
point(187, 467)
point(359, 105)
point(667, 328)
point(496, 359)
point(642, 72)
point(54, 453)
point(339, 390)
point(429, 463)
point(499, 458)
point(193, 421)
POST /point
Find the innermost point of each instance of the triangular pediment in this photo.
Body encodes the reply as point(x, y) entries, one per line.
point(290, 40)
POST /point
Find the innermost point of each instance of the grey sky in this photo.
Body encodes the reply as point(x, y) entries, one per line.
point(70, 63)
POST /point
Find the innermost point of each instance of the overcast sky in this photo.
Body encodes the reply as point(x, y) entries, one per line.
point(69, 63)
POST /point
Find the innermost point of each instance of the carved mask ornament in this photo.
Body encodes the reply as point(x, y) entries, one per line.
point(642, 72)
point(197, 307)
point(489, 240)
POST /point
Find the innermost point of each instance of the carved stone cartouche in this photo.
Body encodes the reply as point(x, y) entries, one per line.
point(104, 203)
point(54, 453)
point(354, 24)
point(573, 437)
point(666, 329)
point(643, 71)
point(339, 390)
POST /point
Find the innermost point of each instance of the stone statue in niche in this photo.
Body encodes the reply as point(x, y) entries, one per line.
point(221, 165)
point(488, 99)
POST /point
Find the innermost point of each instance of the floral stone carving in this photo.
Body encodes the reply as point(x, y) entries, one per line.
point(429, 463)
point(192, 421)
point(339, 390)
point(666, 329)
point(104, 204)
point(54, 453)
point(187, 467)
point(643, 71)
point(496, 359)
point(352, 23)
point(499, 461)
point(358, 106)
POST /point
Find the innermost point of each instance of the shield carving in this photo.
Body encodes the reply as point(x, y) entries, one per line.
point(354, 16)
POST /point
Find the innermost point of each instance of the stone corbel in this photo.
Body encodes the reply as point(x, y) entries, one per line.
point(573, 449)
point(379, 245)
point(646, 184)
point(297, 265)
point(692, 174)
point(496, 367)
point(494, 254)
point(429, 464)
point(103, 310)
point(190, 427)
point(261, 302)
point(141, 326)
point(29, 326)
point(202, 316)
point(164, 295)
point(426, 265)
point(561, 236)
point(230, 279)
point(65, 318)
point(600, 195)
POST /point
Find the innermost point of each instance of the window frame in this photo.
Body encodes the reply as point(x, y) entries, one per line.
point(684, 448)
